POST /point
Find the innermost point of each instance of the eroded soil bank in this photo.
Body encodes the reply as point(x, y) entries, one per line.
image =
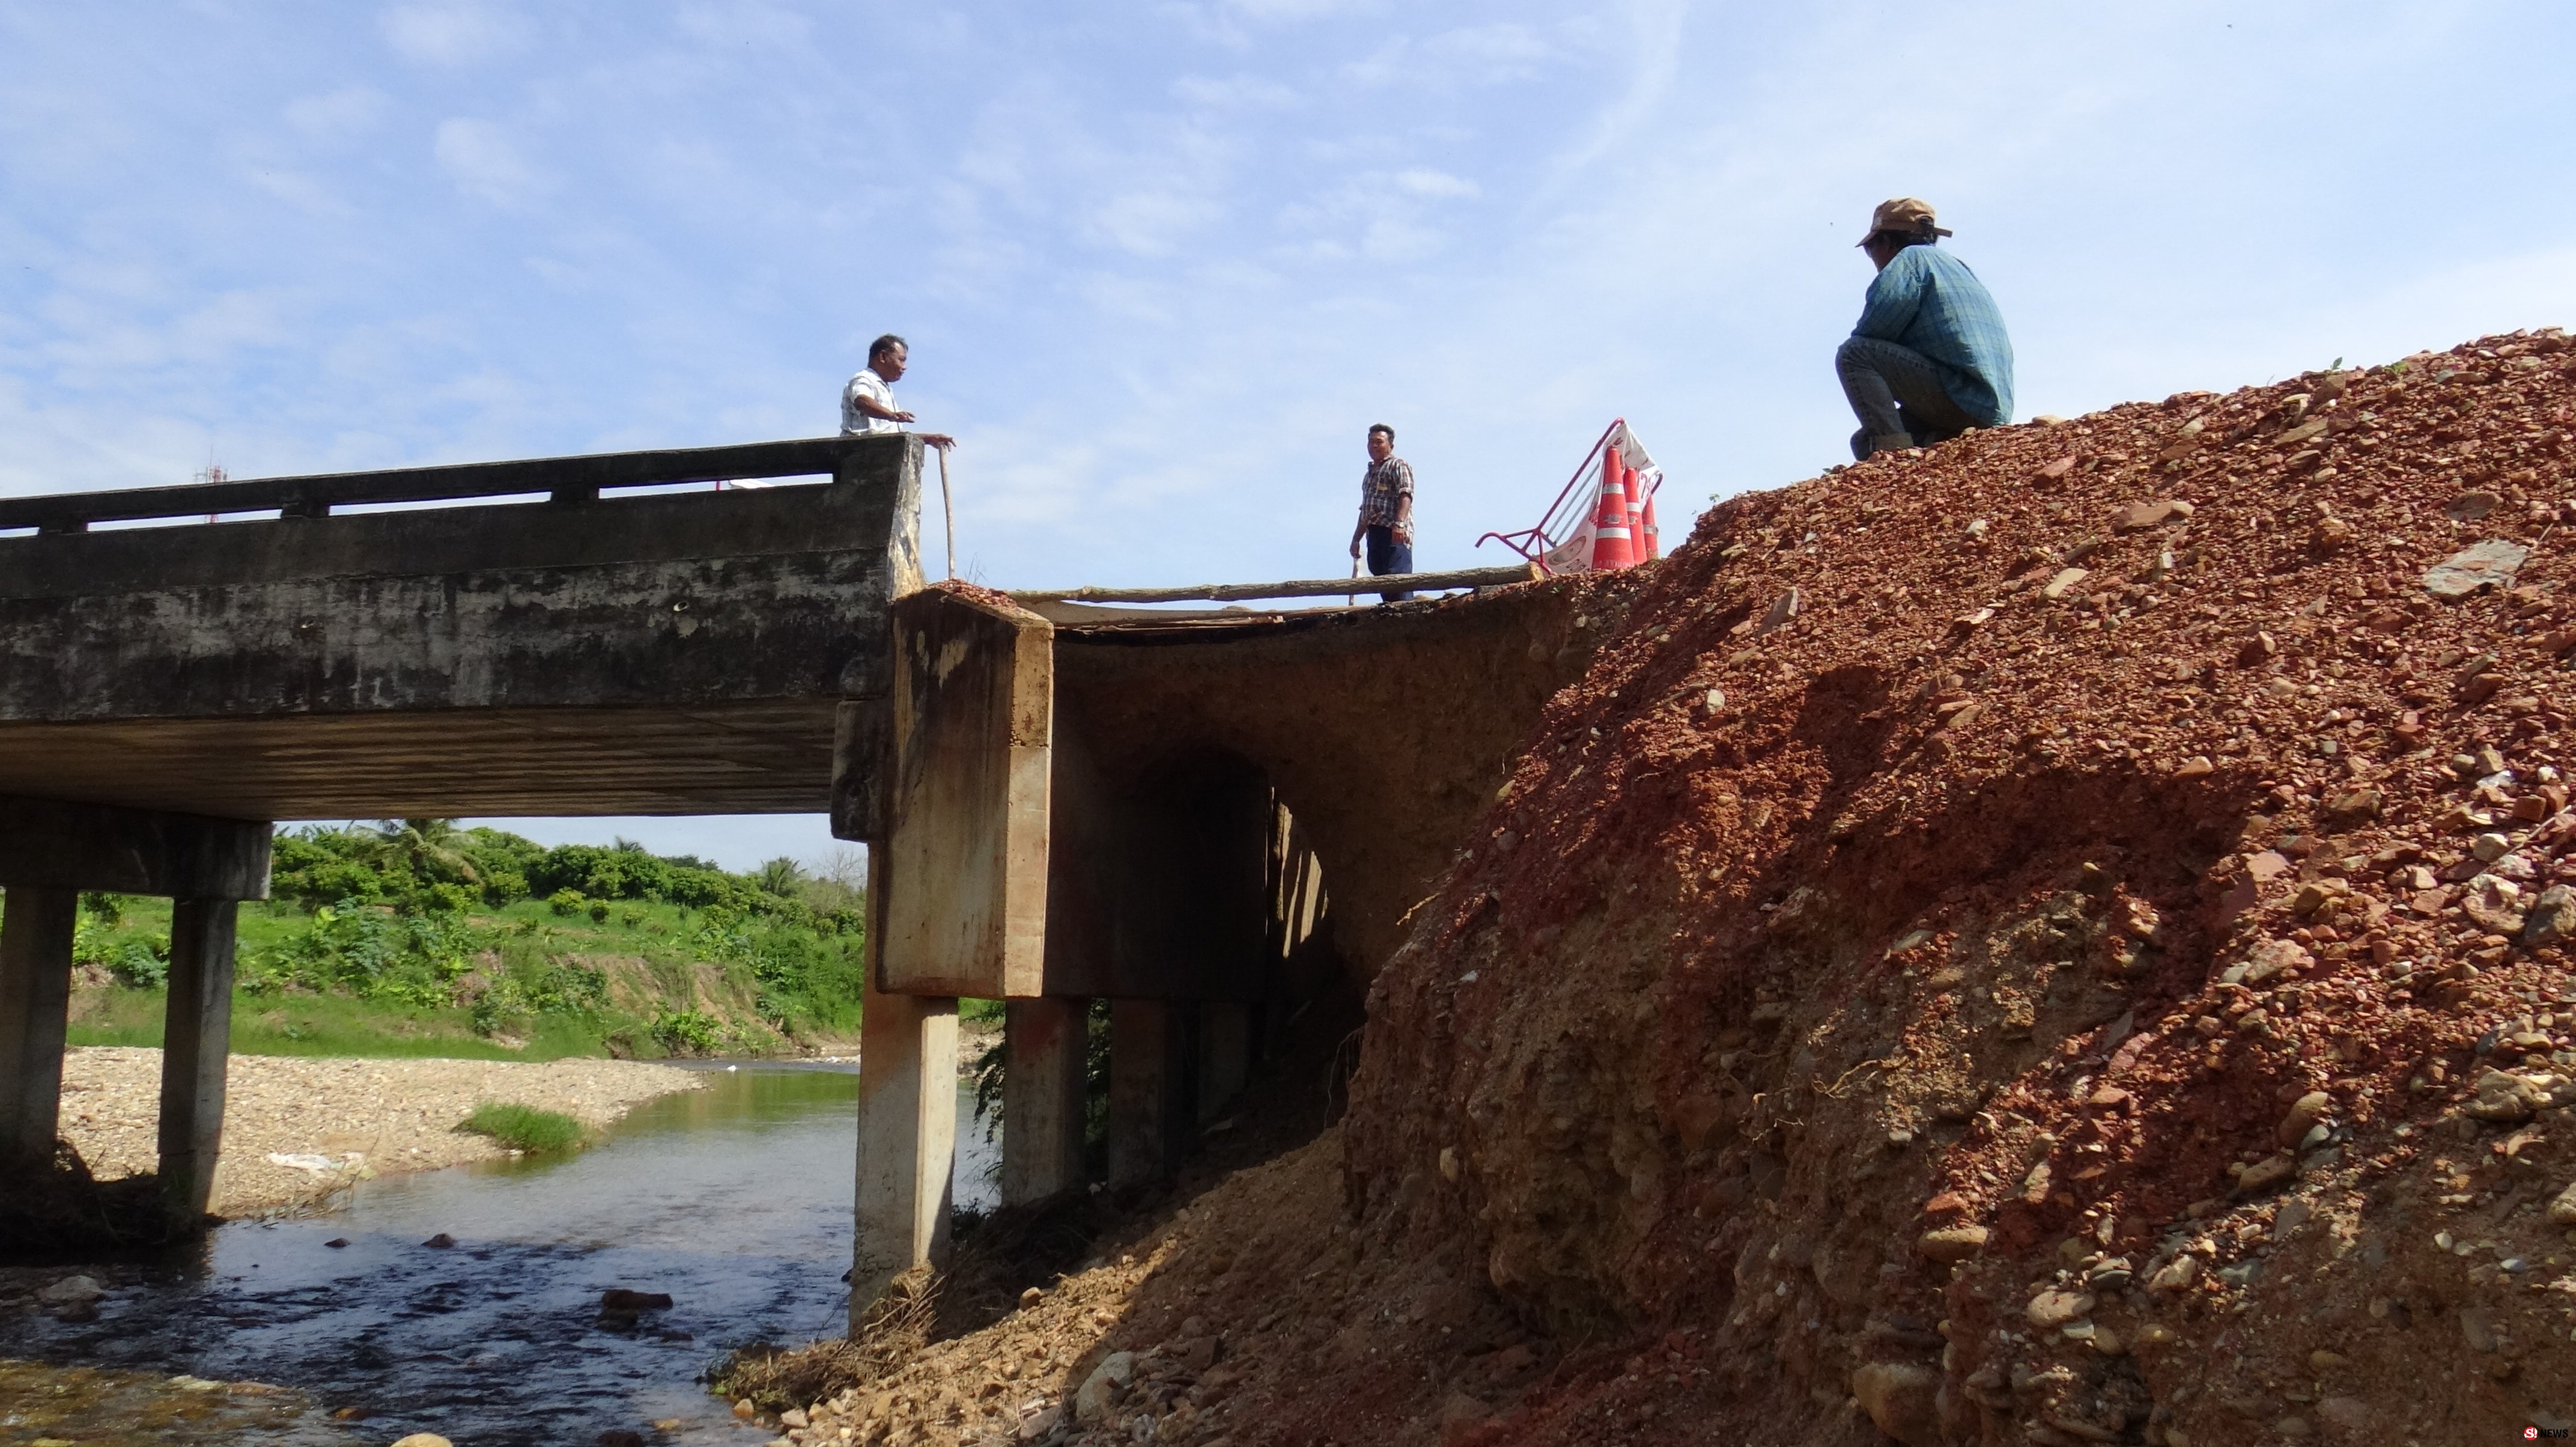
point(2055, 939)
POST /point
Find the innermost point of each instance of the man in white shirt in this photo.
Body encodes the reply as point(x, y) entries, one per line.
point(867, 404)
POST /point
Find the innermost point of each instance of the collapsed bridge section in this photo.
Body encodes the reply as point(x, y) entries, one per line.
point(1205, 819)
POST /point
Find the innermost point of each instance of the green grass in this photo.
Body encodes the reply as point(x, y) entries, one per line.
point(335, 1025)
point(524, 1127)
point(527, 936)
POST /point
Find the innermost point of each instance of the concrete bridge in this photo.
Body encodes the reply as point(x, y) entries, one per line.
point(1062, 803)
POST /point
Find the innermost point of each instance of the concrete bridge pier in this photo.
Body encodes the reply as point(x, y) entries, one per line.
point(196, 1046)
point(1044, 1097)
point(35, 1004)
point(50, 853)
point(946, 781)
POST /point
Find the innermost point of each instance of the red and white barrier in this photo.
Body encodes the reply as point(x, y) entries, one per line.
point(1611, 518)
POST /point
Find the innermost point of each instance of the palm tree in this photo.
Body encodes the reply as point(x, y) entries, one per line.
point(780, 876)
point(430, 847)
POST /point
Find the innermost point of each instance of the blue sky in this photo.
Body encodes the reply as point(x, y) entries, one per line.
point(1161, 264)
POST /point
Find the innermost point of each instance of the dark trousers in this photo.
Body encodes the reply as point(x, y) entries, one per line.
point(1386, 555)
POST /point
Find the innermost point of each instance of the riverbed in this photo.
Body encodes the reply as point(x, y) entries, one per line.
point(734, 1200)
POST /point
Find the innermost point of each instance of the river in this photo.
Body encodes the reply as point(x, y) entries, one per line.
point(735, 1200)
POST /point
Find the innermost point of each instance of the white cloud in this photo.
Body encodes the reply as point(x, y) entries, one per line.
point(455, 33)
point(485, 163)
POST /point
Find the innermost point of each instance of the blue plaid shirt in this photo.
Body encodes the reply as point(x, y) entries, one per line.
point(1929, 302)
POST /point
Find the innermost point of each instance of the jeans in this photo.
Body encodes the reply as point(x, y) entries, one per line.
point(1386, 555)
point(1894, 390)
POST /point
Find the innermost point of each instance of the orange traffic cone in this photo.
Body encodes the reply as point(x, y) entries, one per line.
point(1610, 546)
point(1654, 539)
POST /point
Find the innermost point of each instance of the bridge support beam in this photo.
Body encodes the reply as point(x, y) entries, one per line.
point(907, 1140)
point(1043, 1097)
point(196, 1045)
point(1225, 1055)
point(35, 1005)
point(1150, 1065)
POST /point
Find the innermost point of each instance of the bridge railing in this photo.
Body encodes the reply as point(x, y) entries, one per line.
point(563, 479)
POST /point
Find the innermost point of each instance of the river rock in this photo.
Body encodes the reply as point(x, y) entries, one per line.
point(1952, 1243)
point(423, 1439)
point(1900, 1398)
point(440, 1242)
point(2052, 1309)
point(72, 1291)
point(1091, 1404)
point(618, 1298)
point(2562, 1210)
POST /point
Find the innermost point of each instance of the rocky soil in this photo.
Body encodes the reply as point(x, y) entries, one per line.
point(370, 1116)
point(2059, 938)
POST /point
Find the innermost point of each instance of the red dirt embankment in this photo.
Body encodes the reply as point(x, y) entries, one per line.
point(2056, 939)
point(1998, 955)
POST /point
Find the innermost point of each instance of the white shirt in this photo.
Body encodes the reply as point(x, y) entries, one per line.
point(873, 387)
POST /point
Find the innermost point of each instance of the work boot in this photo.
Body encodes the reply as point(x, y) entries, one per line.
point(1891, 442)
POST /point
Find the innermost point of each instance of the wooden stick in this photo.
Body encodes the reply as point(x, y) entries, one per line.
point(1352, 600)
point(950, 509)
point(1308, 588)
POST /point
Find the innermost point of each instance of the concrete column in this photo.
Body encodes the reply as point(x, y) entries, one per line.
point(907, 1122)
point(1225, 1055)
point(907, 1139)
point(35, 1009)
point(1149, 1096)
point(196, 1046)
point(1043, 1097)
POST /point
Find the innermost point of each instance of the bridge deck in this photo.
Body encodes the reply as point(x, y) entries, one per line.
point(594, 654)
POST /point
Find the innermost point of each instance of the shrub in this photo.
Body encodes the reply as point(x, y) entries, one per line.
point(688, 1032)
point(524, 1127)
point(566, 902)
point(599, 911)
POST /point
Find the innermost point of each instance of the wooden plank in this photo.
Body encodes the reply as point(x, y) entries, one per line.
point(48, 844)
point(1307, 588)
point(316, 493)
point(966, 824)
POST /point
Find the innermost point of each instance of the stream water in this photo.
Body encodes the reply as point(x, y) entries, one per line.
point(735, 1200)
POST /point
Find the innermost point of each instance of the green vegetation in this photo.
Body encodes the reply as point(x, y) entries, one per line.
point(524, 1127)
point(414, 937)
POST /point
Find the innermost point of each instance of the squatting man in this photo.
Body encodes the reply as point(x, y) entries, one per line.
point(1929, 359)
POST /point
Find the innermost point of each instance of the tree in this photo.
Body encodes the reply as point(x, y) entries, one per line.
point(433, 848)
point(780, 876)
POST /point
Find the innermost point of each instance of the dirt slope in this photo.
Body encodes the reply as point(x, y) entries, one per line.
point(2055, 939)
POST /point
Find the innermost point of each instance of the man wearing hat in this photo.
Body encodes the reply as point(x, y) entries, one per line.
point(1929, 359)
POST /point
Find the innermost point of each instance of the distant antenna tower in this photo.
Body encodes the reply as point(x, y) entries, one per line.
point(213, 471)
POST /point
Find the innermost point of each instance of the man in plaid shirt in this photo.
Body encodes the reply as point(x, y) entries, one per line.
point(1929, 359)
point(1386, 511)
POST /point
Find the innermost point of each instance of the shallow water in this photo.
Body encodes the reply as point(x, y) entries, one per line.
point(735, 1200)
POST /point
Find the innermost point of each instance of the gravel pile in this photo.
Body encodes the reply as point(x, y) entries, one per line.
point(371, 1116)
